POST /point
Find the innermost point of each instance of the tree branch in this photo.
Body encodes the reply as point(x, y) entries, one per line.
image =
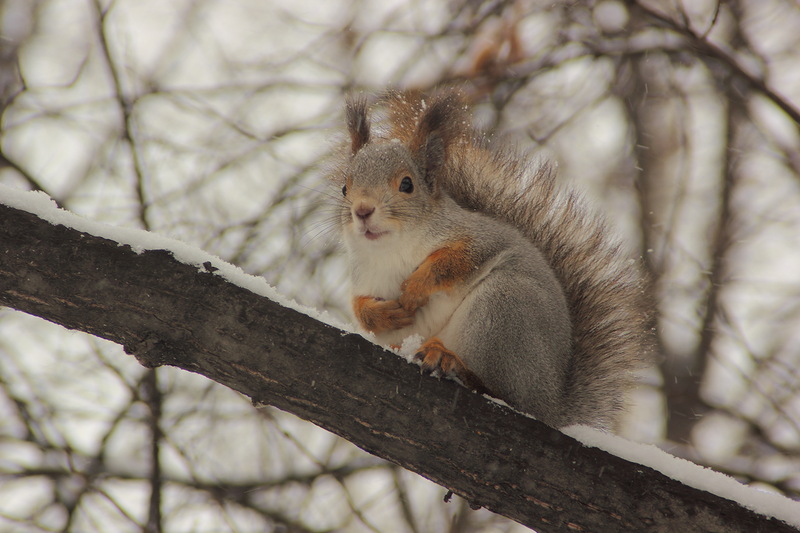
point(169, 313)
point(708, 49)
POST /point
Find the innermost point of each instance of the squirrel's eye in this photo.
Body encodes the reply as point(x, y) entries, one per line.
point(344, 190)
point(406, 185)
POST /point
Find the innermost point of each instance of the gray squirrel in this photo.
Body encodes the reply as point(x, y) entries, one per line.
point(514, 285)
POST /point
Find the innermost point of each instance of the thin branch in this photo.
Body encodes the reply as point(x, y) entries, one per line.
point(126, 108)
point(153, 397)
point(707, 48)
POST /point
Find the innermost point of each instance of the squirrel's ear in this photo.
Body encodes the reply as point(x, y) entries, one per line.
point(357, 121)
point(435, 158)
point(440, 126)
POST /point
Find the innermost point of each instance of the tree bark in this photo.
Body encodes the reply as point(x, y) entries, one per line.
point(166, 312)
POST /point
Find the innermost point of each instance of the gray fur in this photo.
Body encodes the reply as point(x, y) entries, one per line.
point(513, 328)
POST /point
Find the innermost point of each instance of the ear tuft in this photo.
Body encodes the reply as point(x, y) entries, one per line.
point(357, 121)
point(442, 123)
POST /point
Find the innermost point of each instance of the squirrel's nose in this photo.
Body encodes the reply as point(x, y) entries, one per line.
point(364, 211)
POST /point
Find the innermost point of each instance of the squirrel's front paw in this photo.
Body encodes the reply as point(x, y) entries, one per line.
point(378, 315)
point(434, 356)
point(413, 295)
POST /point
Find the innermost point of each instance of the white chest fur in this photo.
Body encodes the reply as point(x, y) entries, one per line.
point(379, 268)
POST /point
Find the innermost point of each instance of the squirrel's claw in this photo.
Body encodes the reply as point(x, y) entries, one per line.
point(433, 356)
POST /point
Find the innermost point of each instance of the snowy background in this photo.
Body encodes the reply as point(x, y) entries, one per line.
point(209, 122)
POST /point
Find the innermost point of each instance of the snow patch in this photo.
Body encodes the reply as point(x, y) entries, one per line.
point(41, 205)
point(410, 347)
point(769, 504)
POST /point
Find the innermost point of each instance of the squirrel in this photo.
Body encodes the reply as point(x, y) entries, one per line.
point(514, 285)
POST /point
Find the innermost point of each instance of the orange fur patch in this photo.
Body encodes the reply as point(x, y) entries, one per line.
point(378, 315)
point(440, 271)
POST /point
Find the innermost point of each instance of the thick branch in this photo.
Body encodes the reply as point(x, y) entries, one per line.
point(169, 313)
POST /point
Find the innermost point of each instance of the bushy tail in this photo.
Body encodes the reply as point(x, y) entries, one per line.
point(607, 292)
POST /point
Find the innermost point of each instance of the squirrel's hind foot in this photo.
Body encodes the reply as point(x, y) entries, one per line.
point(434, 356)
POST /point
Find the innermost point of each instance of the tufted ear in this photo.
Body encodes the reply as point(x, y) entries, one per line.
point(442, 123)
point(357, 121)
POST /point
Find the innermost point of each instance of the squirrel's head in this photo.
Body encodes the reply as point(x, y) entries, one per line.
point(389, 183)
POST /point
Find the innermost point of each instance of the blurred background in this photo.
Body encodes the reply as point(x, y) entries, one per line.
point(210, 121)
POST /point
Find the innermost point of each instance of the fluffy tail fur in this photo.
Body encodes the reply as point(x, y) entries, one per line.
point(607, 292)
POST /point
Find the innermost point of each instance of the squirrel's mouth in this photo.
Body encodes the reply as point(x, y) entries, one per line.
point(374, 235)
